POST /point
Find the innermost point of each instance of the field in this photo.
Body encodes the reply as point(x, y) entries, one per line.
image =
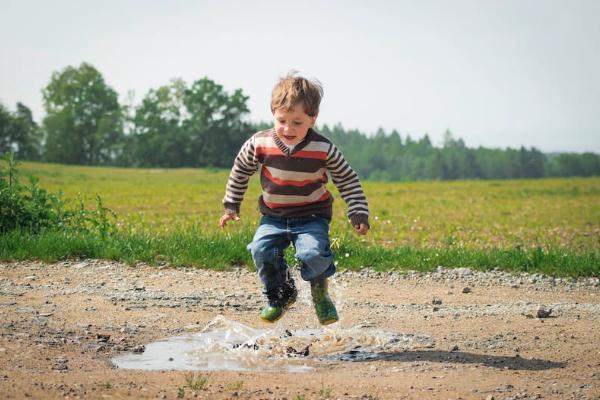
point(550, 226)
point(563, 213)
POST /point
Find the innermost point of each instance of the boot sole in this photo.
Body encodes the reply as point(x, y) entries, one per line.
point(285, 308)
point(329, 321)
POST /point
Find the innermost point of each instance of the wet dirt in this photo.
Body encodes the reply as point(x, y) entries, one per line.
point(65, 326)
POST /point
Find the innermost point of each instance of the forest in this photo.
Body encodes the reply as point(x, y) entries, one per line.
point(201, 125)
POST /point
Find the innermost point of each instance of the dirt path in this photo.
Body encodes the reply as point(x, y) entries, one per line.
point(60, 325)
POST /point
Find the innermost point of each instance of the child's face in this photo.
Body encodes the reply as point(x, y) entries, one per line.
point(292, 126)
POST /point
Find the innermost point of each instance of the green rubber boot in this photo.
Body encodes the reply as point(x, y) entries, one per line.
point(271, 313)
point(324, 307)
point(279, 302)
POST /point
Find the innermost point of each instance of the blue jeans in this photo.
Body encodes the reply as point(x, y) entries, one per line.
point(310, 237)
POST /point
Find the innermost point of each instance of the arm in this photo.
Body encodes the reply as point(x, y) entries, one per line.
point(244, 166)
point(348, 184)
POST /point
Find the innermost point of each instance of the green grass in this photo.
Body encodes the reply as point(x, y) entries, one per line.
point(550, 225)
point(196, 382)
point(222, 251)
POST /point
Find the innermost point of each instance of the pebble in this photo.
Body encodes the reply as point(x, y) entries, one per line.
point(466, 289)
point(542, 312)
point(139, 349)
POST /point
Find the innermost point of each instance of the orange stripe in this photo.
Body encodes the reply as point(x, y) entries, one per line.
point(282, 182)
point(278, 205)
point(268, 150)
point(320, 155)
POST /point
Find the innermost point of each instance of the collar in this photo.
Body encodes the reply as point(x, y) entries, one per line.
point(285, 149)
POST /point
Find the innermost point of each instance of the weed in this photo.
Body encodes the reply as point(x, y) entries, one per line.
point(107, 385)
point(32, 209)
point(180, 392)
point(300, 397)
point(196, 382)
point(325, 391)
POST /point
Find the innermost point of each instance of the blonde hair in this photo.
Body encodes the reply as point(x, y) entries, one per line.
point(294, 89)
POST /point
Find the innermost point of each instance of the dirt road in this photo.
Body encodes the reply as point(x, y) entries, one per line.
point(61, 324)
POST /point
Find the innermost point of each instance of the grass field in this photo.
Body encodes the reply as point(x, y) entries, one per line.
point(425, 219)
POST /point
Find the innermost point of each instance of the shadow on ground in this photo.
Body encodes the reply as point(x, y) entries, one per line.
point(516, 362)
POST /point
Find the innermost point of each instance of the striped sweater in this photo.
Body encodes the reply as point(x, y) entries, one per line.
point(294, 183)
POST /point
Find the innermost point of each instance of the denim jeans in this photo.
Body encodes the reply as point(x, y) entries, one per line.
point(310, 238)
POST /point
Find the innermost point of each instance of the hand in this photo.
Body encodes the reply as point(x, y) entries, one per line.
point(361, 229)
point(226, 217)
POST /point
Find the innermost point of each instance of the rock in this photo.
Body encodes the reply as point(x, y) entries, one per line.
point(139, 349)
point(46, 314)
point(466, 289)
point(60, 364)
point(436, 301)
point(102, 338)
point(463, 272)
point(542, 312)
point(454, 348)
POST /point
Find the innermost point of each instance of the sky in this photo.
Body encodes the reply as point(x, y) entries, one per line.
point(496, 73)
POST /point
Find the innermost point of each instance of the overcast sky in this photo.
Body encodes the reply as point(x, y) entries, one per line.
point(496, 73)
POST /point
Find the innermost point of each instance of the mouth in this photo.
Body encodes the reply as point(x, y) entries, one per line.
point(289, 137)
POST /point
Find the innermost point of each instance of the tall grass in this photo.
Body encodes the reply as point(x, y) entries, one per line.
point(220, 252)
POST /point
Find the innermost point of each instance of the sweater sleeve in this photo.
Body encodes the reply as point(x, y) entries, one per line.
point(348, 184)
point(244, 166)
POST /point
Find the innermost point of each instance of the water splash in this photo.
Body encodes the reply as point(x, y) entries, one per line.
point(228, 345)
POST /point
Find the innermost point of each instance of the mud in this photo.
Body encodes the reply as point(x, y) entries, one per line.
point(62, 326)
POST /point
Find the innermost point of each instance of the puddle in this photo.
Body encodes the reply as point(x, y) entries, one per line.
point(228, 345)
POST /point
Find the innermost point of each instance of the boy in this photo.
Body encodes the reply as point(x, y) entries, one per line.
point(295, 204)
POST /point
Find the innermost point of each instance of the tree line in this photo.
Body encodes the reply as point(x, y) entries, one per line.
point(202, 125)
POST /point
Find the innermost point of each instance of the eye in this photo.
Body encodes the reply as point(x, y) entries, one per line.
point(297, 123)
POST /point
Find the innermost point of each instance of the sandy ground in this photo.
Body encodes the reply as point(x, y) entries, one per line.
point(62, 323)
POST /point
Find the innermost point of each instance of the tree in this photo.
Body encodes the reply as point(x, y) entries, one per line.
point(158, 138)
point(531, 163)
point(28, 137)
point(83, 123)
point(5, 131)
point(200, 125)
point(215, 126)
point(19, 134)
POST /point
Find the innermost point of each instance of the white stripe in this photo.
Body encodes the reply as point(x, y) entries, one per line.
point(316, 146)
point(230, 199)
point(264, 141)
point(287, 199)
point(294, 175)
point(349, 186)
point(341, 182)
